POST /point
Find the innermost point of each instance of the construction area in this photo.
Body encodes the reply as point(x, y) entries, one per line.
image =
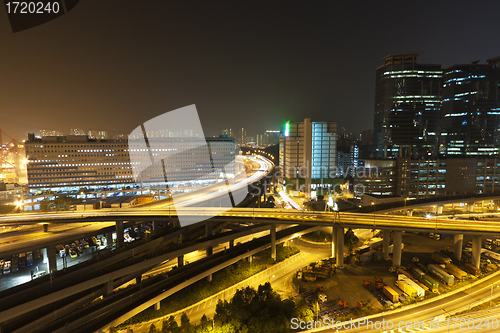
point(367, 282)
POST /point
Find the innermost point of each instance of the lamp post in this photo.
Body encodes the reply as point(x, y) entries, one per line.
point(373, 204)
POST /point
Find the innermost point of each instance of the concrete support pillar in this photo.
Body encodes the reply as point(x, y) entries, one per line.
point(250, 259)
point(119, 234)
point(209, 233)
point(470, 206)
point(339, 247)
point(209, 278)
point(157, 306)
point(43, 253)
point(458, 240)
point(439, 209)
point(334, 240)
point(409, 212)
point(51, 259)
point(476, 250)
point(231, 243)
point(180, 261)
point(138, 279)
point(387, 239)
point(109, 240)
point(496, 204)
point(396, 254)
point(273, 241)
point(155, 225)
point(45, 227)
point(109, 289)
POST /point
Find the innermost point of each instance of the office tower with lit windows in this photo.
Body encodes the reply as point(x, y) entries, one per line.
point(44, 132)
point(471, 109)
point(407, 107)
point(309, 150)
point(66, 165)
point(271, 137)
point(76, 131)
point(228, 132)
point(98, 135)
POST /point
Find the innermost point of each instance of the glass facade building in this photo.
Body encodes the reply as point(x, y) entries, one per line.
point(471, 109)
point(407, 107)
point(309, 148)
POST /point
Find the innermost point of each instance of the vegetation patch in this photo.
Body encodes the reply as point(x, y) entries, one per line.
point(221, 280)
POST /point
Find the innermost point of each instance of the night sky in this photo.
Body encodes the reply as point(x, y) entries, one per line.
point(114, 64)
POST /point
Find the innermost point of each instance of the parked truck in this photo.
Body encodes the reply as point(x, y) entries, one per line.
point(375, 243)
point(362, 249)
point(472, 269)
point(391, 294)
point(432, 284)
point(378, 256)
point(367, 256)
point(401, 271)
point(420, 292)
point(417, 273)
point(406, 288)
point(456, 272)
point(440, 258)
point(441, 274)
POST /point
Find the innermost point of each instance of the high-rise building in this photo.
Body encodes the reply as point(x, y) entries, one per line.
point(471, 109)
point(271, 137)
point(308, 150)
point(44, 132)
point(407, 107)
point(428, 178)
point(259, 140)
point(98, 135)
point(228, 132)
point(76, 131)
point(241, 138)
point(68, 164)
point(366, 144)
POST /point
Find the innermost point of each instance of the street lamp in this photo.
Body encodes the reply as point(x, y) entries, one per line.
point(373, 204)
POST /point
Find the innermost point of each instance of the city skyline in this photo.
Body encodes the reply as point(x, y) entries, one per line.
point(78, 77)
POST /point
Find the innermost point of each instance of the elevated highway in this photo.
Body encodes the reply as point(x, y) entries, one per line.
point(244, 215)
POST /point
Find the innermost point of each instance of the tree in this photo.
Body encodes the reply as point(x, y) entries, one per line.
point(350, 239)
point(185, 324)
point(46, 205)
point(172, 325)
point(204, 323)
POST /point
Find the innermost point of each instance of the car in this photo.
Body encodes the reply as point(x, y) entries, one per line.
point(72, 253)
point(415, 259)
